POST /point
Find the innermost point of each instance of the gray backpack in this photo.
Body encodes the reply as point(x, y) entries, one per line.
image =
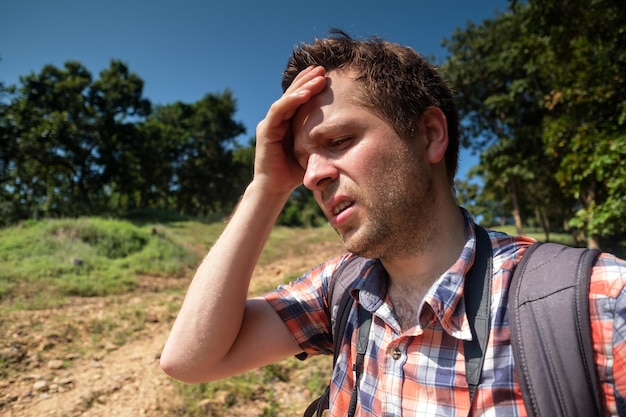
point(550, 327)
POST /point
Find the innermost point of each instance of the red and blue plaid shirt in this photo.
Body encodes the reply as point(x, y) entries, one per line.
point(421, 372)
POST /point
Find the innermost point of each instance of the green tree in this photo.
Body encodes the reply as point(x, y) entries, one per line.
point(583, 63)
point(540, 87)
point(116, 97)
point(8, 157)
point(301, 210)
point(72, 145)
point(198, 153)
point(498, 97)
point(54, 137)
point(64, 135)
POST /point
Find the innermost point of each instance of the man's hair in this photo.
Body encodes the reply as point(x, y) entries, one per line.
point(397, 82)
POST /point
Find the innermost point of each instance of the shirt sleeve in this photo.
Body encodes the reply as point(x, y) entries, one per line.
point(608, 324)
point(619, 351)
point(303, 307)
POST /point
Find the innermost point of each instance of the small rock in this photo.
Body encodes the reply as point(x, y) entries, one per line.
point(55, 364)
point(110, 346)
point(65, 381)
point(12, 354)
point(41, 385)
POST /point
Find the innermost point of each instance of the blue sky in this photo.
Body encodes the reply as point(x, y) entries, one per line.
point(185, 49)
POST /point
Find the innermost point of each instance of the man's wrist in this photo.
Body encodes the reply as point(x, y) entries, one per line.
point(258, 189)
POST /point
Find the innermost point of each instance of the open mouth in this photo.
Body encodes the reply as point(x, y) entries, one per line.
point(341, 207)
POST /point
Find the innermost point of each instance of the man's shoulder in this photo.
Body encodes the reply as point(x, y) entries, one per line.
point(350, 268)
point(608, 260)
point(608, 275)
point(507, 248)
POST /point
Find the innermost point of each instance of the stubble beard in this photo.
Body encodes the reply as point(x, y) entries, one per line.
point(398, 221)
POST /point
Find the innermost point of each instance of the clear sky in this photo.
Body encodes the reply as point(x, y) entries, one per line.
point(187, 48)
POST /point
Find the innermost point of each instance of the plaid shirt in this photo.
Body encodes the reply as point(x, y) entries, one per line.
point(421, 372)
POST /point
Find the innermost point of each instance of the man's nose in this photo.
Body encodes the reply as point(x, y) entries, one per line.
point(319, 172)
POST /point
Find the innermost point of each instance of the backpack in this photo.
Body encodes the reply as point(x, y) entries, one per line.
point(549, 316)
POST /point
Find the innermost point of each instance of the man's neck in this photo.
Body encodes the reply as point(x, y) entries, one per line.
point(421, 269)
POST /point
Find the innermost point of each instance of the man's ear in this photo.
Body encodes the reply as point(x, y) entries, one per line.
point(435, 127)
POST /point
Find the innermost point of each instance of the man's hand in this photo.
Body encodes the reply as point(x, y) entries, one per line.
point(274, 166)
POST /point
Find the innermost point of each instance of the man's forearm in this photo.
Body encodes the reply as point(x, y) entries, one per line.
point(210, 318)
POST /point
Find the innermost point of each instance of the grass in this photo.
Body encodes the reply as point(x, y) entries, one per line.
point(290, 242)
point(44, 263)
point(257, 387)
point(538, 234)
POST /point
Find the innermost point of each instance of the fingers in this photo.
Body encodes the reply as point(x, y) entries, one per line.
point(275, 165)
point(304, 76)
point(307, 83)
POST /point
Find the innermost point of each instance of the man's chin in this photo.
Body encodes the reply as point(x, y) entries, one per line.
point(352, 243)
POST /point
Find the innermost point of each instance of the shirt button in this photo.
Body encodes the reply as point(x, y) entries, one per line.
point(396, 354)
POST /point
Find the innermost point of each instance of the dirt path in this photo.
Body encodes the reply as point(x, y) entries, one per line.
point(99, 357)
point(65, 375)
point(126, 382)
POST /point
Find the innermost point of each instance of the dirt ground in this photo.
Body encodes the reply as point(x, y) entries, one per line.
point(100, 356)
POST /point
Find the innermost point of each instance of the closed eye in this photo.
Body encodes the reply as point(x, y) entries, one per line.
point(340, 144)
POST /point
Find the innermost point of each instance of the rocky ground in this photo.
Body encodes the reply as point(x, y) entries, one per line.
point(100, 356)
point(59, 369)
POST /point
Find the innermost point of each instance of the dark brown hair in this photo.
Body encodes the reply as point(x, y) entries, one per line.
point(397, 82)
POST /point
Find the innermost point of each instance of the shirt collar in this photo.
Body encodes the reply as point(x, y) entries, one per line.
point(443, 303)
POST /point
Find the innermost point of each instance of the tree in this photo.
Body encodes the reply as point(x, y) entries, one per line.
point(198, 144)
point(65, 132)
point(539, 86)
point(8, 156)
point(117, 100)
point(498, 98)
point(585, 125)
point(72, 145)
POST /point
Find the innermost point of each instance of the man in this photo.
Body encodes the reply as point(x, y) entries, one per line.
point(371, 128)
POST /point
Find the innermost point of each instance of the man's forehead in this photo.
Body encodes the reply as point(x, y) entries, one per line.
point(339, 90)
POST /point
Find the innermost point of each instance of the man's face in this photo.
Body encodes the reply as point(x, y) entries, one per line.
point(374, 187)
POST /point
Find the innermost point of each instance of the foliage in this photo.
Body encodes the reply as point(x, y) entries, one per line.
point(46, 261)
point(72, 145)
point(62, 134)
point(198, 171)
point(301, 210)
point(543, 92)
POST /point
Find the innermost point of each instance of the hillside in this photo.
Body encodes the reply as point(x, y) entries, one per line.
point(98, 356)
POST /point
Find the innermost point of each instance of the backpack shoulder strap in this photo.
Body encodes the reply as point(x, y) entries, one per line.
point(339, 305)
point(339, 299)
point(477, 296)
point(551, 331)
